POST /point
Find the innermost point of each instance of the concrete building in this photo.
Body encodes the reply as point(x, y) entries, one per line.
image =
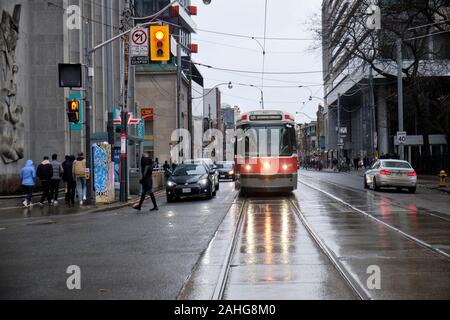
point(156, 84)
point(43, 34)
point(360, 67)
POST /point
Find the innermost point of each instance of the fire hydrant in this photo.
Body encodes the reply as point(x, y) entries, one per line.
point(443, 179)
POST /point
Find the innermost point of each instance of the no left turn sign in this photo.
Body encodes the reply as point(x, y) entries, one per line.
point(139, 37)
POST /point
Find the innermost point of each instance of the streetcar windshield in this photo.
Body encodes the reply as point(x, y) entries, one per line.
point(269, 140)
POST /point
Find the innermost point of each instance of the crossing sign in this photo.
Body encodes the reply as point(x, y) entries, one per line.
point(402, 137)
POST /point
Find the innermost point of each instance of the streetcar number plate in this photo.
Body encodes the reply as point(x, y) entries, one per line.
point(186, 190)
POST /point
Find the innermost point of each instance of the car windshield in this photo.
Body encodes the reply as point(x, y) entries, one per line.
point(396, 165)
point(226, 165)
point(189, 170)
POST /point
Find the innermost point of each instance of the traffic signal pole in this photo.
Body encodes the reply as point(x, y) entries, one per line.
point(89, 51)
point(87, 114)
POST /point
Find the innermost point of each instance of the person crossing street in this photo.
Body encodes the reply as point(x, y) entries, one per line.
point(147, 183)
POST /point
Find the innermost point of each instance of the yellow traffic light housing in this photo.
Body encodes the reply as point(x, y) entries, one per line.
point(159, 43)
point(73, 110)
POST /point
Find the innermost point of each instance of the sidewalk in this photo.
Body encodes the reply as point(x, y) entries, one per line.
point(62, 209)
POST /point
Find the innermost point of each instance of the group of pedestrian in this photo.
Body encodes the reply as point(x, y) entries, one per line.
point(50, 173)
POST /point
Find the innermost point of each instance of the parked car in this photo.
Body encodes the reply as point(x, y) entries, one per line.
point(226, 170)
point(391, 174)
point(211, 167)
point(190, 180)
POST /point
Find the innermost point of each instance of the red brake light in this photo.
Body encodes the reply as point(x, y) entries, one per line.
point(244, 117)
point(385, 173)
point(412, 174)
point(288, 117)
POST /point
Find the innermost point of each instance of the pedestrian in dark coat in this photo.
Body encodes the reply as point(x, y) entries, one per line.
point(44, 173)
point(69, 180)
point(147, 183)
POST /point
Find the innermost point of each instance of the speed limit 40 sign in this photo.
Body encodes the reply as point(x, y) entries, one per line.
point(401, 138)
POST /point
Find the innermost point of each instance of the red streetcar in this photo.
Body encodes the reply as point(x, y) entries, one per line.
point(266, 152)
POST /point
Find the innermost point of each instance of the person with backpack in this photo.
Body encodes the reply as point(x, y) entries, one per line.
point(79, 175)
point(45, 173)
point(28, 179)
point(56, 179)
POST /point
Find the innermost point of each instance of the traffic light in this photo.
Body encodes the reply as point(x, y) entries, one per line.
point(159, 43)
point(73, 110)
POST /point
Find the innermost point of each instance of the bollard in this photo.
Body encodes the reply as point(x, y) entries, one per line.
point(443, 179)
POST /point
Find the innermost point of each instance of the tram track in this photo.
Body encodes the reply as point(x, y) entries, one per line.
point(402, 233)
point(222, 283)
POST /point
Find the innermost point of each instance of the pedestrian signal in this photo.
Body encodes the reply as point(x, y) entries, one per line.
point(159, 43)
point(73, 110)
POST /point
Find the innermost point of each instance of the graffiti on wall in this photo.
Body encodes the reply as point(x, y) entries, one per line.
point(11, 124)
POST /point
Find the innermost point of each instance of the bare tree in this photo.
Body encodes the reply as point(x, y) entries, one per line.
point(424, 29)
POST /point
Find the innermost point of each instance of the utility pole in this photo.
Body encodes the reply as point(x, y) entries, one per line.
point(178, 108)
point(400, 94)
point(124, 111)
point(373, 122)
point(339, 130)
point(87, 112)
point(108, 12)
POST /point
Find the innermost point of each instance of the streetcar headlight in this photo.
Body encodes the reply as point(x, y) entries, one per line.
point(248, 167)
point(285, 167)
point(266, 165)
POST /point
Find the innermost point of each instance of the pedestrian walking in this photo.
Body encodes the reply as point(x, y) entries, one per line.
point(167, 171)
point(44, 173)
point(79, 175)
point(69, 180)
point(56, 179)
point(147, 183)
point(28, 180)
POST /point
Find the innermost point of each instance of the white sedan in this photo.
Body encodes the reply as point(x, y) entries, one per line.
point(391, 174)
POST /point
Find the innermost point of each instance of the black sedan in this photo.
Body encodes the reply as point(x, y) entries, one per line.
point(226, 170)
point(190, 180)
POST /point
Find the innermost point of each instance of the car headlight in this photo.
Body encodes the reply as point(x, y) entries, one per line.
point(231, 172)
point(203, 182)
point(171, 184)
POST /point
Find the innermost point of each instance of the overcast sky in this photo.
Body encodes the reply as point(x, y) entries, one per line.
point(286, 19)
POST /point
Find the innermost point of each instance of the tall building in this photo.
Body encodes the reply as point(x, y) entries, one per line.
point(42, 34)
point(360, 67)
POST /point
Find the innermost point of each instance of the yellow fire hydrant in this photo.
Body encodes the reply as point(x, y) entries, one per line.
point(443, 179)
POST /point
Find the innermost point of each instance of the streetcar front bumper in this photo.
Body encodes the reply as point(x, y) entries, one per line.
point(269, 183)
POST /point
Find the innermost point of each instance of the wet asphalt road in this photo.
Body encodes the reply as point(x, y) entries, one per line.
point(122, 255)
point(240, 248)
